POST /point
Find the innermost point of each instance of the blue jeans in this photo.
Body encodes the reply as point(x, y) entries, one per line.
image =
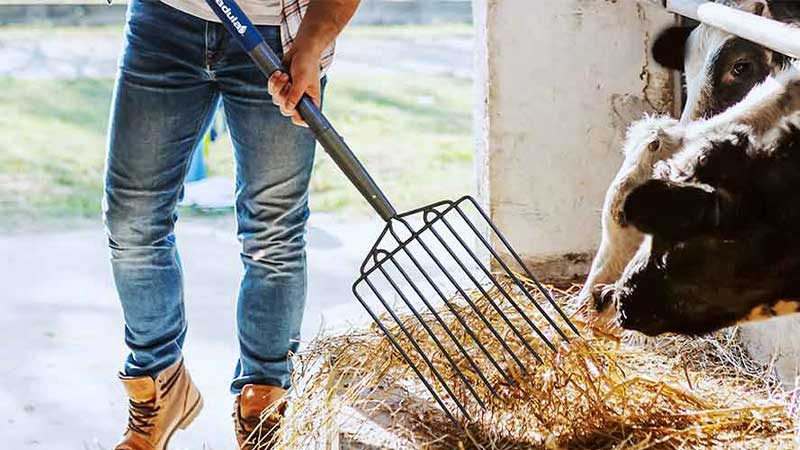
point(174, 72)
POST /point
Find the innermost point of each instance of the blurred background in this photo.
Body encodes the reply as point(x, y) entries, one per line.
point(400, 92)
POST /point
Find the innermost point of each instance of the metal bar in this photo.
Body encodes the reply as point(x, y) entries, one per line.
point(772, 34)
point(405, 356)
point(447, 329)
point(458, 317)
point(517, 258)
point(432, 334)
point(466, 298)
point(414, 234)
point(416, 346)
point(486, 295)
point(507, 296)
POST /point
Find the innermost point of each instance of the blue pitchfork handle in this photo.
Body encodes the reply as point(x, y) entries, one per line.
point(241, 28)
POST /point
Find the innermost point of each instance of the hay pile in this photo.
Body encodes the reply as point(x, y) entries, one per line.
point(597, 393)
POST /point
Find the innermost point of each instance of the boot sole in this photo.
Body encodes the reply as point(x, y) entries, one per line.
point(194, 411)
point(187, 419)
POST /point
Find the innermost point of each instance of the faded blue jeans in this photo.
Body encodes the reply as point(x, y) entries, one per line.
point(173, 73)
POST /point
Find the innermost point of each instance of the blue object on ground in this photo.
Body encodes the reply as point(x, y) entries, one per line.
point(197, 167)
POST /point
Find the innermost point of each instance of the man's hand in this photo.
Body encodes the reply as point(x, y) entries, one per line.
point(324, 20)
point(304, 68)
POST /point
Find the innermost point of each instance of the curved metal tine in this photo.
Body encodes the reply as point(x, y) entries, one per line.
point(419, 350)
point(483, 292)
point(467, 299)
point(446, 329)
point(497, 284)
point(375, 248)
point(517, 281)
point(405, 356)
point(458, 317)
point(433, 336)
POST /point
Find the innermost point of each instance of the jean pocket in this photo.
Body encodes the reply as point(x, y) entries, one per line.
point(272, 36)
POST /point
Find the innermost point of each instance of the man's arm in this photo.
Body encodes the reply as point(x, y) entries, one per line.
point(322, 23)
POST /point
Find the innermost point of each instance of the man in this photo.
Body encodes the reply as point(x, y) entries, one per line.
point(178, 64)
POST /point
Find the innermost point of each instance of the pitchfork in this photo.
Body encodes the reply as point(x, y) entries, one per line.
point(423, 258)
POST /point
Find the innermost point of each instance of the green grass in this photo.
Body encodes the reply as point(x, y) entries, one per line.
point(413, 133)
point(52, 136)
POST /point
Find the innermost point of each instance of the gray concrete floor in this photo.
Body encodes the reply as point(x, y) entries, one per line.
point(62, 335)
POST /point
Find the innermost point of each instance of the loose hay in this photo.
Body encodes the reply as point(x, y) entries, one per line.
point(597, 393)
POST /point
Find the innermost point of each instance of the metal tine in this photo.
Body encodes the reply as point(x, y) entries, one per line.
point(403, 245)
point(403, 353)
point(458, 317)
point(427, 328)
point(375, 248)
point(419, 350)
point(517, 281)
point(447, 329)
point(480, 288)
point(497, 284)
point(528, 273)
point(465, 296)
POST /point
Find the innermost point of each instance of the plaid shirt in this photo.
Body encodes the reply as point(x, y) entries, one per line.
point(292, 12)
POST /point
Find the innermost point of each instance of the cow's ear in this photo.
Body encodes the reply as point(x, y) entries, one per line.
point(757, 7)
point(673, 211)
point(669, 48)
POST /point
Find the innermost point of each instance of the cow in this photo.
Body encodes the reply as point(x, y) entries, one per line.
point(720, 220)
point(719, 70)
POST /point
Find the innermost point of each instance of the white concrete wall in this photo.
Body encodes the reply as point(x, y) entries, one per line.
point(559, 81)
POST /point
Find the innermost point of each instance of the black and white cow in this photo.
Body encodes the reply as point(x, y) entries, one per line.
point(720, 69)
point(721, 220)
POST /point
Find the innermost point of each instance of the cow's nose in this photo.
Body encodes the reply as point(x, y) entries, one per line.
point(648, 324)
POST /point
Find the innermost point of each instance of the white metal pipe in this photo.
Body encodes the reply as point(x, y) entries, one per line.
point(781, 37)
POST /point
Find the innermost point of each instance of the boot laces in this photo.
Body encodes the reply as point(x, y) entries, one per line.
point(258, 431)
point(141, 415)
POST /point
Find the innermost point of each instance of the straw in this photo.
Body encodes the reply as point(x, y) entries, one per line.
point(599, 392)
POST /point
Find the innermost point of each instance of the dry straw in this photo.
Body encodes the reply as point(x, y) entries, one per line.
point(600, 392)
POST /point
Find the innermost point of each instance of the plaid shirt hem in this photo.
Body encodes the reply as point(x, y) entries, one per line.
point(292, 12)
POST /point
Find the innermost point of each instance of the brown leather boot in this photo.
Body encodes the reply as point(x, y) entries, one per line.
point(252, 431)
point(157, 407)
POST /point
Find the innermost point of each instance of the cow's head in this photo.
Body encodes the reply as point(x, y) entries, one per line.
point(722, 245)
point(719, 68)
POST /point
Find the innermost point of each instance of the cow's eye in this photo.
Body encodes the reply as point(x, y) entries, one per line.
point(741, 68)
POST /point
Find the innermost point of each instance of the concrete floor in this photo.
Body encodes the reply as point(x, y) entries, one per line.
point(62, 335)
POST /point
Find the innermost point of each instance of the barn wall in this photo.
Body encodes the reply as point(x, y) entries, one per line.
point(558, 83)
